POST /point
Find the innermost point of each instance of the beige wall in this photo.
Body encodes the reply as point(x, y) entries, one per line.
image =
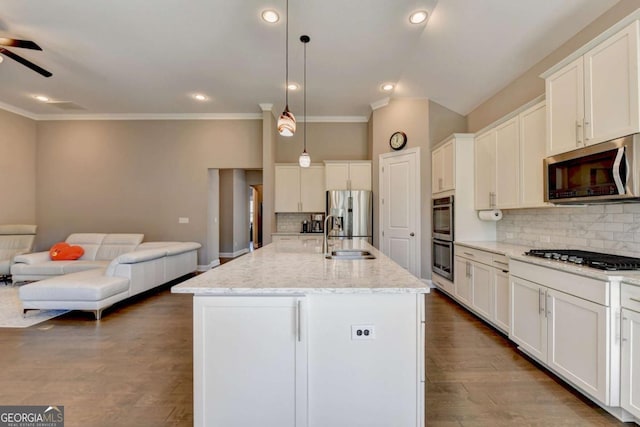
point(226, 211)
point(529, 85)
point(240, 210)
point(325, 141)
point(268, 175)
point(412, 117)
point(17, 169)
point(136, 176)
point(443, 122)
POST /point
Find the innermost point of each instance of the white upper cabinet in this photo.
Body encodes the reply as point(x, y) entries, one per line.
point(508, 161)
point(532, 154)
point(299, 189)
point(595, 98)
point(485, 170)
point(443, 168)
point(507, 164)
point(354, 175)
point(565, 108)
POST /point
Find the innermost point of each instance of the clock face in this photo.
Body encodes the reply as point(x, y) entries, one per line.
point(398, 140)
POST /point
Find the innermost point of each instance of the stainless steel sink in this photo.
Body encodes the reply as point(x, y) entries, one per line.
point(350, 254)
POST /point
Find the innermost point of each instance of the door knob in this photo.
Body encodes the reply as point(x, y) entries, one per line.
point(411, 234)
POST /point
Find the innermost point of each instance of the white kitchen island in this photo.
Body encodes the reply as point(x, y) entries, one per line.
point(284, 337)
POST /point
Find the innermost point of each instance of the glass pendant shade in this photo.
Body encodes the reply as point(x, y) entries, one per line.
point(304, 160)
point(286, 123)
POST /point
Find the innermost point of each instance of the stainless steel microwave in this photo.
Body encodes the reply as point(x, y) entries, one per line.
point(597, 173)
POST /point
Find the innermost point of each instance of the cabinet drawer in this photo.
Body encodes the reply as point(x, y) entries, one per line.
point(630, 297)
point(475, 254)
point(500, 262)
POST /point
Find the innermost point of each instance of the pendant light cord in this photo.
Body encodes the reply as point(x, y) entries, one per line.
point(286, 50)
point(305, 96)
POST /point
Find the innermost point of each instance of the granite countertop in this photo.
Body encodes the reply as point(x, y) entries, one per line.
point(299, 267)
point(516, 252)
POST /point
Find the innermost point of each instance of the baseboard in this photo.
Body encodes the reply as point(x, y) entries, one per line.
point(214, 263)
point(234, 254)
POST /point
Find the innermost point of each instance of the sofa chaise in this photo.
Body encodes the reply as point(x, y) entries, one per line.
point(97, 282)
point(15, 239)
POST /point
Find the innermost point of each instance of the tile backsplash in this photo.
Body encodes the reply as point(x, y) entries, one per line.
point(291, 222)
point(610, 228)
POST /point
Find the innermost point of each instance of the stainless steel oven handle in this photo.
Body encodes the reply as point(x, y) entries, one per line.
point(616, 171)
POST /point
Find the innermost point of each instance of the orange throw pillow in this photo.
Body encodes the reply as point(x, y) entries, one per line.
point(65, 252)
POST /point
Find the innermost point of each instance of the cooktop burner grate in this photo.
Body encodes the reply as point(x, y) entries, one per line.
point(590, 259)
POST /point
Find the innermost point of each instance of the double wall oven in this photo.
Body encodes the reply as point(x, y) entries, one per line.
point(442, 237)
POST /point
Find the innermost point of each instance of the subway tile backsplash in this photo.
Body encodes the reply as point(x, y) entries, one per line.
point(290, 222)
point(609, 228)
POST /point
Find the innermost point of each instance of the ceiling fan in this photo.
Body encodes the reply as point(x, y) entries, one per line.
point(25, 44)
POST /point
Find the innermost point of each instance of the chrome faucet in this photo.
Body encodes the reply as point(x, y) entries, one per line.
point(325, 242)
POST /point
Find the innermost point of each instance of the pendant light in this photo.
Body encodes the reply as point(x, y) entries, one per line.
point(287, 122)
point(305, 159)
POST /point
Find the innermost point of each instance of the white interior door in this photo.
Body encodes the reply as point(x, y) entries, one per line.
point(400, 208)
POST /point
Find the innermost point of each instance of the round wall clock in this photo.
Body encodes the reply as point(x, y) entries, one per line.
point(398, 140)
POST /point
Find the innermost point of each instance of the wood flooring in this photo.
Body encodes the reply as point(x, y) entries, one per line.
point(134, 368)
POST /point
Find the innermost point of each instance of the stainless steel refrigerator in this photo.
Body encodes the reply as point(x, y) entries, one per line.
point(353, 212)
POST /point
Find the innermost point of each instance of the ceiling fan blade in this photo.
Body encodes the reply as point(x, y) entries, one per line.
point(25, 62)
point(27, 44)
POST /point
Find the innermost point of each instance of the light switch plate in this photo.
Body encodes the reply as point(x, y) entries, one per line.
point(183, 220)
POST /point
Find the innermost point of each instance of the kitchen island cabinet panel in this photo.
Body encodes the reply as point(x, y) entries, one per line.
point(251, 361)
point(343, 369)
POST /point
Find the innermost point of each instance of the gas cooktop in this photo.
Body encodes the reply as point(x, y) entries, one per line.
point(590, 259)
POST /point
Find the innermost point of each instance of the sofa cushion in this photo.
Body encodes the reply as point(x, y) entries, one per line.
point(53, 268)
point(90, 242)
point(83, 286)
point(65, 252)
point(114, 245)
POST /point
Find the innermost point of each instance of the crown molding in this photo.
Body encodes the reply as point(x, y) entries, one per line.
point(209, 116)
point(18, 111)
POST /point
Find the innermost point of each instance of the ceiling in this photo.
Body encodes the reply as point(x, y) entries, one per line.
point(147, 58)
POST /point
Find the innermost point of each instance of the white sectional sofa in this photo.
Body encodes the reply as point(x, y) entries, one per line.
point(15, 239)
point(95, 283)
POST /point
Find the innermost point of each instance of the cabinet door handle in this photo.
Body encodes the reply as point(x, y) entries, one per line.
point(500, 262)
point(540, 303)
point(439, 183)
point(547, 306)
point(634, 299)
point(578, 132)
point(467, 253)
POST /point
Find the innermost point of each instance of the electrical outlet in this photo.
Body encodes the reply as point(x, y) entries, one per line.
point(183, 220)
point(363, 332)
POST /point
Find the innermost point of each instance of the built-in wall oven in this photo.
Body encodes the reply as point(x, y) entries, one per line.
point(442, 237)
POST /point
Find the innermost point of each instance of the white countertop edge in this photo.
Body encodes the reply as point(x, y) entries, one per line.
point(295, 291)
point(516, 253)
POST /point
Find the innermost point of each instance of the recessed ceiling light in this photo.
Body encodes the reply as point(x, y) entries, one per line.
point(270, 16)
point(387, 87)
point(41, 98)
point(418, 17)
point(293, 86)
point(200, 97)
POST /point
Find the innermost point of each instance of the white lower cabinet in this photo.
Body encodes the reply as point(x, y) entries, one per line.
point(481, 283)
point(630, 373)
point(568, 333)
point(278, 361)
point(250, 361)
